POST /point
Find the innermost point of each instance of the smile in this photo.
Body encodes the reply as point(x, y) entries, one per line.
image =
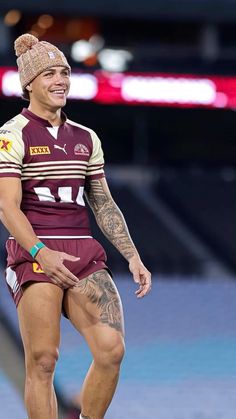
point(58, 92)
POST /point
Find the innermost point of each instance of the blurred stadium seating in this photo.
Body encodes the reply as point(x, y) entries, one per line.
point(206, 201)
point(13, 405)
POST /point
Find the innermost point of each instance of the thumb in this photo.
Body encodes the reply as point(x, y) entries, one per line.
point(136, 275)
point(70, 257)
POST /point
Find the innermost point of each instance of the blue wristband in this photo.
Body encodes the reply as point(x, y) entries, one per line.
point(34, 250)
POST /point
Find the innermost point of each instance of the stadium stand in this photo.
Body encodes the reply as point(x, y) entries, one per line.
point(8, 394)
point(162, 251)
point(206, 201)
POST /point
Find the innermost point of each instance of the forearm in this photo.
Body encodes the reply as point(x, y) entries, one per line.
point(112, 223)
point(18, 226)
point(109, 218)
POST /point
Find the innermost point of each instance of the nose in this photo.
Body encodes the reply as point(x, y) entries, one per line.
point(59, 79)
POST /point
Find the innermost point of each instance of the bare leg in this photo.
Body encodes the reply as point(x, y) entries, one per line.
point(94, 307)
point(39, 314)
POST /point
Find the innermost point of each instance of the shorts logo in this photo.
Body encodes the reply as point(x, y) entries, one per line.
point(81, 149)
point(39, 150)
point(37, 268)
point(5, 144)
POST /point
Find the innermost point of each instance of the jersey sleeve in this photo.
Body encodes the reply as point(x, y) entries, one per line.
point(95, 168)
point(11, 152)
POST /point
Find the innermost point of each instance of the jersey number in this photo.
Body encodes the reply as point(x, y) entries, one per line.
point(64, 193)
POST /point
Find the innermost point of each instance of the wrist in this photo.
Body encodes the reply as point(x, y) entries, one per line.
point(36, 248)
point(134, 257)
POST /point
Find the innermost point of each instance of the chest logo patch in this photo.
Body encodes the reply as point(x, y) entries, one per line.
point(39, 150)
point(5, 144)
point(81, 150)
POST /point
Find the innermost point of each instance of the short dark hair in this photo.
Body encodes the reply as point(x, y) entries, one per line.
point(25, 95)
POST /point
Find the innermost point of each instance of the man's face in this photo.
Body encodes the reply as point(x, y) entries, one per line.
point(51, 87)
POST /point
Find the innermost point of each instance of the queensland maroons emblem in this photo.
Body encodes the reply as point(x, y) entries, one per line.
point(81, 149)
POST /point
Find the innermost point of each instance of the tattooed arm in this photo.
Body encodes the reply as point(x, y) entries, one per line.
point(112, 223)
point(109, 218)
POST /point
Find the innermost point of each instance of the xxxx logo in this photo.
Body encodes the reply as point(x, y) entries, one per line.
point(37, 268)
point(40, 150)
point(5, 144)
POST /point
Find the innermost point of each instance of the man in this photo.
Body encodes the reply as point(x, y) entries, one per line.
point(54, 265)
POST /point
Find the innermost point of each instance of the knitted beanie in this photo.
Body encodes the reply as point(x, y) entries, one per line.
point(35, 56)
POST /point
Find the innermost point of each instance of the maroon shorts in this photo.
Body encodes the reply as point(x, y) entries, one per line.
point(22, 268)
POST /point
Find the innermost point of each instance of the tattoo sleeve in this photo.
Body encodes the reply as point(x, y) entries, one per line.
point(109, 218)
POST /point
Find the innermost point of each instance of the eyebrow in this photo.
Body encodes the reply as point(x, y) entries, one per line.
point(53, 69)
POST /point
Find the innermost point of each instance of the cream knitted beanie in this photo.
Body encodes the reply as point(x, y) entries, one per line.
point(35, 56)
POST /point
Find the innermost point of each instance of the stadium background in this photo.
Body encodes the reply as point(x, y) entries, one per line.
point(156, 80)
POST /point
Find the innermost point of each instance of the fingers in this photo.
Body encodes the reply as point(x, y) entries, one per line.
point(144, 284)
point(52, 264)
point(63, 277)
point(65, 256)
point(66, 276)
point(136, 276)
point(143, 290)
point(141, 276)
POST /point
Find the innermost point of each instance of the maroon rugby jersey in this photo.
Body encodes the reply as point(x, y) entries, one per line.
point(53, 164)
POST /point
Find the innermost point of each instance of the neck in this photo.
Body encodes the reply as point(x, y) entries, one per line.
point(52, 116)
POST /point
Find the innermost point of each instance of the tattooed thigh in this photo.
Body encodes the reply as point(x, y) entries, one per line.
point(101, 291)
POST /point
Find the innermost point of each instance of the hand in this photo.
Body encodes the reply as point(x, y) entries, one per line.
point(141, 276)
point(51, 262)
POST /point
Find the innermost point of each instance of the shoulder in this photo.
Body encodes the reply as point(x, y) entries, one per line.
point(14, 127)
point(11, 137)
point(84, 128)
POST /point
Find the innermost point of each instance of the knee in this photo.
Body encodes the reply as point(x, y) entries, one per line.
point(112, 354)
point(42, 363)
point(117, 353)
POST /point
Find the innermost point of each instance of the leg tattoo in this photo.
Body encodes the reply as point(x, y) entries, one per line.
point(99, 288)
